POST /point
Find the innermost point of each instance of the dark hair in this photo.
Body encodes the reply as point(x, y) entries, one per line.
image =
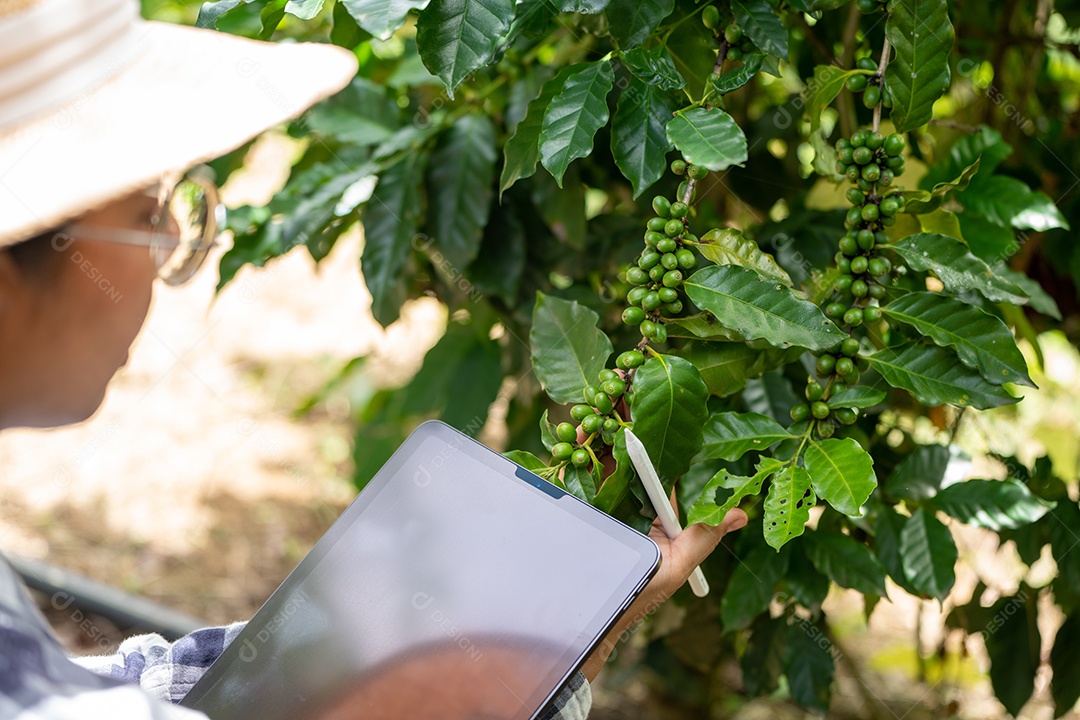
point(35, 256)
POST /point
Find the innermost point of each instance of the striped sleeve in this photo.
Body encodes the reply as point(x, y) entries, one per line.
point(573, 701)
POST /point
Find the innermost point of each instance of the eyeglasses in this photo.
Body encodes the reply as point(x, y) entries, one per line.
point(183, 227)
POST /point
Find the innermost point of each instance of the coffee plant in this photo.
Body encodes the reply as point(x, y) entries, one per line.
point(788, 242)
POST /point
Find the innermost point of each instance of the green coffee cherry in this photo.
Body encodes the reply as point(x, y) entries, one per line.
point(679, 209)
point(697, 172)
point(826, 428)
point(656, 273)
point(845, 367)
point(652, 239)
point(835, 310)
point(580, 412)
point(637, 276)
point(871, 97)
point(819, 410)
point(679, 166)
point(589, 393)
point(848, 245)
point(856, 83)
point(686, 258)
point(894, 144)
point(651, 302)
point(735, 53)
point(603, 403)
point(580, 457)
point(875, 140)
point(878, 266)
point(858, 138)
point(610, 425)
point(859, 265)
point(846, 416)
point(668, 294)
point(562, 451)
point(866, 239)
point(656, 224)
point(862, 155)
point(566, 432)
point(667, 245)
point(866, 63)
point(876, 291)
point(674, 228)
point(605, 375)
point(636, 295)
point(871, 173)
point(870, 212)
point(648, 329)
point(673, 308)
point(673, 278)
point(853, 317)
point(849, 347)
point(842, 263)
point(800, 412)
point(614, 388)
point(843, 283)
point(825, 365)
point(855, 196)
point(814, 391)
point(633, 315)
point(627, 360)
point(889, 206)
point(871, 314)
point(859, 288)
point(648, 259)
point(661, 206)
point(733, 34)
point(669, 261)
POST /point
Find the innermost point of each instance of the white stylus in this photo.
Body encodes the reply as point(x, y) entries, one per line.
point(639, 456)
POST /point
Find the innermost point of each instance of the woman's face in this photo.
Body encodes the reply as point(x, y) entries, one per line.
point(66, 327)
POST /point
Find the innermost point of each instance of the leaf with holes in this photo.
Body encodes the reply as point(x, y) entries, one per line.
point(918, 74)
point(928, 555)
point(459, 187)
point(455, 37)
point(730, 435)
point(638, 139)
point(568, 350)
point(951, 262)
point(992, 504)
point(761, 24)
point(761, 308)
point(935, 376)
point(668, 409)
point(574, 116)
point(725, 491)
point(981, 340)
point(708, 138)
point(842, 473)
point(728, 246)
point(787, 507)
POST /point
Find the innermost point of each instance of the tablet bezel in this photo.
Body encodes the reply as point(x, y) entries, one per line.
point(617, 603)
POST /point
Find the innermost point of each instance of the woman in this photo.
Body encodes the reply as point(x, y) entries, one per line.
point(99, 111)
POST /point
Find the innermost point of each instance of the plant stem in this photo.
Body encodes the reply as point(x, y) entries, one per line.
point(886, 48)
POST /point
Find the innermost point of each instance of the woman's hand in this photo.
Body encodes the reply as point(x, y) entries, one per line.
point(680, 557)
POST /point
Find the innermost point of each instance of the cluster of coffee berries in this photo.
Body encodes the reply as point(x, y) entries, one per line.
point(738, 43)
point(873, 90)
point(870, 158)
point(864, 274)
point(596, 416)
point(816, 408)
point(660, 268)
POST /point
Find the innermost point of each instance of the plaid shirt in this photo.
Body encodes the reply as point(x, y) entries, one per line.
point(138, 682)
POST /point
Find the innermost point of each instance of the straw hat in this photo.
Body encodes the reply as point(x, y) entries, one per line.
point(96, 102)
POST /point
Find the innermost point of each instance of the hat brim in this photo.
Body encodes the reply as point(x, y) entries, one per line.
point(189, 96)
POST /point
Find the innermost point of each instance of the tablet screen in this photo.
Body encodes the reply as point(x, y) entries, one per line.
point(456, 585)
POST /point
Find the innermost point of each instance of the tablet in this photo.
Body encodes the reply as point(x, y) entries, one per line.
point(457, 585)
